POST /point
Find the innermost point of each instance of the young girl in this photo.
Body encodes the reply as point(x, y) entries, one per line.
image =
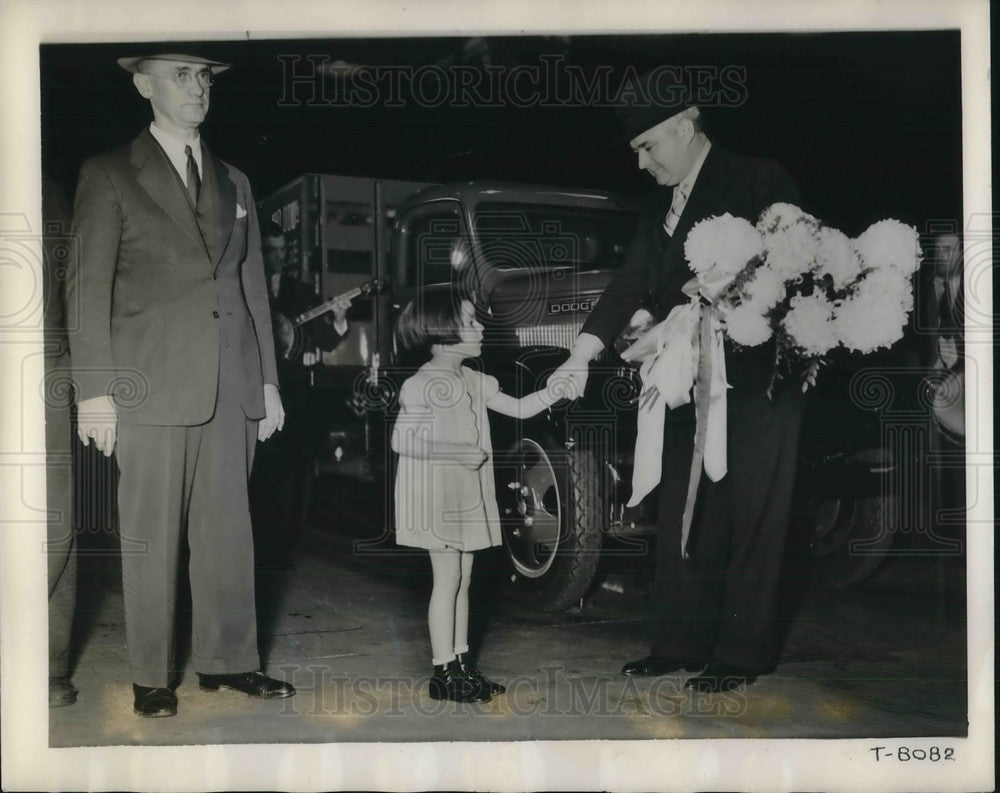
point(445, 497)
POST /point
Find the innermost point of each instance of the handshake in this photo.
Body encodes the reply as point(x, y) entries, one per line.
point(563, 385)
point(569, 381)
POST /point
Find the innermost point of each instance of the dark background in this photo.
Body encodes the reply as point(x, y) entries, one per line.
point(868, 123)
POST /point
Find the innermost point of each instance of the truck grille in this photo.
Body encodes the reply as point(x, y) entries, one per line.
point(561, 335)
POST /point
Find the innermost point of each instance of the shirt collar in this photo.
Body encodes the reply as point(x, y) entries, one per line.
point(174, 148)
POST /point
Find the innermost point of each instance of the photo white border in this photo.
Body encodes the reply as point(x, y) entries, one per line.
point(765, 765)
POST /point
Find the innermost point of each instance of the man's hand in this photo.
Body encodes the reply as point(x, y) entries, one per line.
point(274, 413)
point(561, 385)
point(97, 418)
point(575, 370)
point(577, 367)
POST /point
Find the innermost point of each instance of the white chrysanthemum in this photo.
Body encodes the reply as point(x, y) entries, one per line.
point(887, 285)
point(746, 325)
point(765, 290)
point(837, 258)
point(791, 251)
point(876, 314)
point(859, 329)
point(890, 243)
point(780, 216)
point(810, 323)
point(724, 243)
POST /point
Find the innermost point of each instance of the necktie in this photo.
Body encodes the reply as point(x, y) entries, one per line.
point(193, 180)
point(944, 310)
point(676, 208)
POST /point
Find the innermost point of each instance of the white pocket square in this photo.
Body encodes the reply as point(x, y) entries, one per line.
point(240, 212)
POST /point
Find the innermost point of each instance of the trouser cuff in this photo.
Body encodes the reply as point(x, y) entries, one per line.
point(225, 666)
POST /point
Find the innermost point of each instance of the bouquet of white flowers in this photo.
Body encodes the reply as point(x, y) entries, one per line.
point(789, 278)
point(806, 285)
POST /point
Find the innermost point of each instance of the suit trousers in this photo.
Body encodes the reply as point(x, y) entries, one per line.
point(60, 545)
point(179, 481)
point(721, 603)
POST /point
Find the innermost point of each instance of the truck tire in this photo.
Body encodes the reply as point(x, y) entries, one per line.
point(875, 526)
point(550, 509)
point(851, 537)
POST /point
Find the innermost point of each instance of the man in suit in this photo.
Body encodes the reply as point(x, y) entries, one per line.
point(941, 305)
point(939, 328)
point(174, 368)
point(289, 297)
point(282, 484)
point(716, 610)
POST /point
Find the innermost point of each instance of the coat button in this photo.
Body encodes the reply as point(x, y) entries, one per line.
point(215, 314)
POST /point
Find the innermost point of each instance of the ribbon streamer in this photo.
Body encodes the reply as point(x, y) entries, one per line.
point(682, 353)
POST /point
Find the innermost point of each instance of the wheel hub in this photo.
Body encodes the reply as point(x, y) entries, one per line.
point(531, 510)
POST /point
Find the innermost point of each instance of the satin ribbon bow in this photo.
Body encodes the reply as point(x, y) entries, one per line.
point(682, 354)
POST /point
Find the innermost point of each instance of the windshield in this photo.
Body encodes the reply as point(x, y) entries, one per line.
point(527, 237)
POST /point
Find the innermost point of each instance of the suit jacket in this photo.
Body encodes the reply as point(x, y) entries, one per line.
point(951, 318)
point(936, 318)
point(656, 269)
point(160, 288)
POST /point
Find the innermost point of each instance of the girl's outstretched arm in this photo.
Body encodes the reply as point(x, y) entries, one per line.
point(558, 387)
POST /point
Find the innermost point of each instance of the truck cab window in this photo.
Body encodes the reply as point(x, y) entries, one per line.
point(437, 251)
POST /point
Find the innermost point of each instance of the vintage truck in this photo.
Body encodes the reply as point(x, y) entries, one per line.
point(537, 259)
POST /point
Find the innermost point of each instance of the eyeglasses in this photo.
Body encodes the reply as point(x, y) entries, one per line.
point(185, 78)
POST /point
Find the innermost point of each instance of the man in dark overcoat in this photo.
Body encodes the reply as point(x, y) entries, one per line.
point(717, 609)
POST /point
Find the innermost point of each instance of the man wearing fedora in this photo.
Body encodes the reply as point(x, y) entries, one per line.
point(716, 610)
point(173, 363)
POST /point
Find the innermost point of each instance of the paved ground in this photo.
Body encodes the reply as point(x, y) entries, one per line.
point(877, 659)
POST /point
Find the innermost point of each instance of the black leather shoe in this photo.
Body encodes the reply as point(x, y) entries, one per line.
point(719, 677)
point(451, 683)
point(469, 669)
point(154, 702)
point(655, 665)
point(61, 692)
point(253, 684)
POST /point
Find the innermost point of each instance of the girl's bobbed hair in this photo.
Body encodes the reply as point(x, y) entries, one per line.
point(434, 316)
